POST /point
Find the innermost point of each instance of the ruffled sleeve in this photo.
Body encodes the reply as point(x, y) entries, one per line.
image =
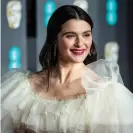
point(112, 102)
point(14, 90)
point(107, 107)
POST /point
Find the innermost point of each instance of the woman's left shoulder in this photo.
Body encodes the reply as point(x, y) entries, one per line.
point(106, 69)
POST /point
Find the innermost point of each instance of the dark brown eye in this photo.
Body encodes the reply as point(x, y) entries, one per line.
point(70, 36)
point(86, 35)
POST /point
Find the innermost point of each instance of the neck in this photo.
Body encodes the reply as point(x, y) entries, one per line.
point(68, 72)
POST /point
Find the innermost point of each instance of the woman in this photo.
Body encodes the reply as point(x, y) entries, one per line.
point(74, 93)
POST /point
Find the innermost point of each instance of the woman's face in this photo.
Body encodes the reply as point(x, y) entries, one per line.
point(74, 41)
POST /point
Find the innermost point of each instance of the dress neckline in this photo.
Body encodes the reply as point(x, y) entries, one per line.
point(49, 100)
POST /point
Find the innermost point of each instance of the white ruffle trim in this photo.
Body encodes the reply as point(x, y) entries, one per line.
point(109, 109)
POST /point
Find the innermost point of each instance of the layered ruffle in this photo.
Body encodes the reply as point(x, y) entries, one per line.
point(107, 106)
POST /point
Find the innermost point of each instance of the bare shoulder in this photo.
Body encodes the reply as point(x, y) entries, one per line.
point(38, 81)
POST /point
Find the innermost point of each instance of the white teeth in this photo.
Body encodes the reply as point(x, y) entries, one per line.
point(78, 51)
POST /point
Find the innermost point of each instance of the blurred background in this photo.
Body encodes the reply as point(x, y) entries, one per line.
point(24, 23)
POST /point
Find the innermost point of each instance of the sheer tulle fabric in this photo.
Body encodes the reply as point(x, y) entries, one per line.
point(106, 108)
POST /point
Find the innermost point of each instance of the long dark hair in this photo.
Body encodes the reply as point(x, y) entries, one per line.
point(64, 13)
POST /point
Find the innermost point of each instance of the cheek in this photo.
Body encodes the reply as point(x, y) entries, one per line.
point(89, 43)
point(88, 46)
point(64, 45)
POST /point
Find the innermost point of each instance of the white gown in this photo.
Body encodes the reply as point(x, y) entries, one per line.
point(106, 108)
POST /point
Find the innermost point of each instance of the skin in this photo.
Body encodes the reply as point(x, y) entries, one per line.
point(74, 34)
point(65, 79)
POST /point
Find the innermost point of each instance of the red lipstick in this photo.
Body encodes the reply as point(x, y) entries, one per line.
point(77, 51)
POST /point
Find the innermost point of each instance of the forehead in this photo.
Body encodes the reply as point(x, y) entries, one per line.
point(76, 26)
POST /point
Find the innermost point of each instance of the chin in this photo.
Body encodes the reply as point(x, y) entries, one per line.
point(77, 60)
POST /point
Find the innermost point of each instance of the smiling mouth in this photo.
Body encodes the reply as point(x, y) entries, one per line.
point(77, 52)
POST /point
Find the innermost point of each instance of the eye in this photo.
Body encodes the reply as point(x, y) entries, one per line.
point(70, 36)
point(86, 35)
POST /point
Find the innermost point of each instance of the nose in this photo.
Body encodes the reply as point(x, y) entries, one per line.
point(79, 41)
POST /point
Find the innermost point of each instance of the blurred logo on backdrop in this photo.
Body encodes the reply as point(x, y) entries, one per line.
point(111, 51)
point(111, 12)
point(14, 56)
point(82, 4)
point(14, 13)
point(49, 8)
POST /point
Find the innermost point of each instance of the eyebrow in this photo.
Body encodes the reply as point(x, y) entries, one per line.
point(72, 32)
